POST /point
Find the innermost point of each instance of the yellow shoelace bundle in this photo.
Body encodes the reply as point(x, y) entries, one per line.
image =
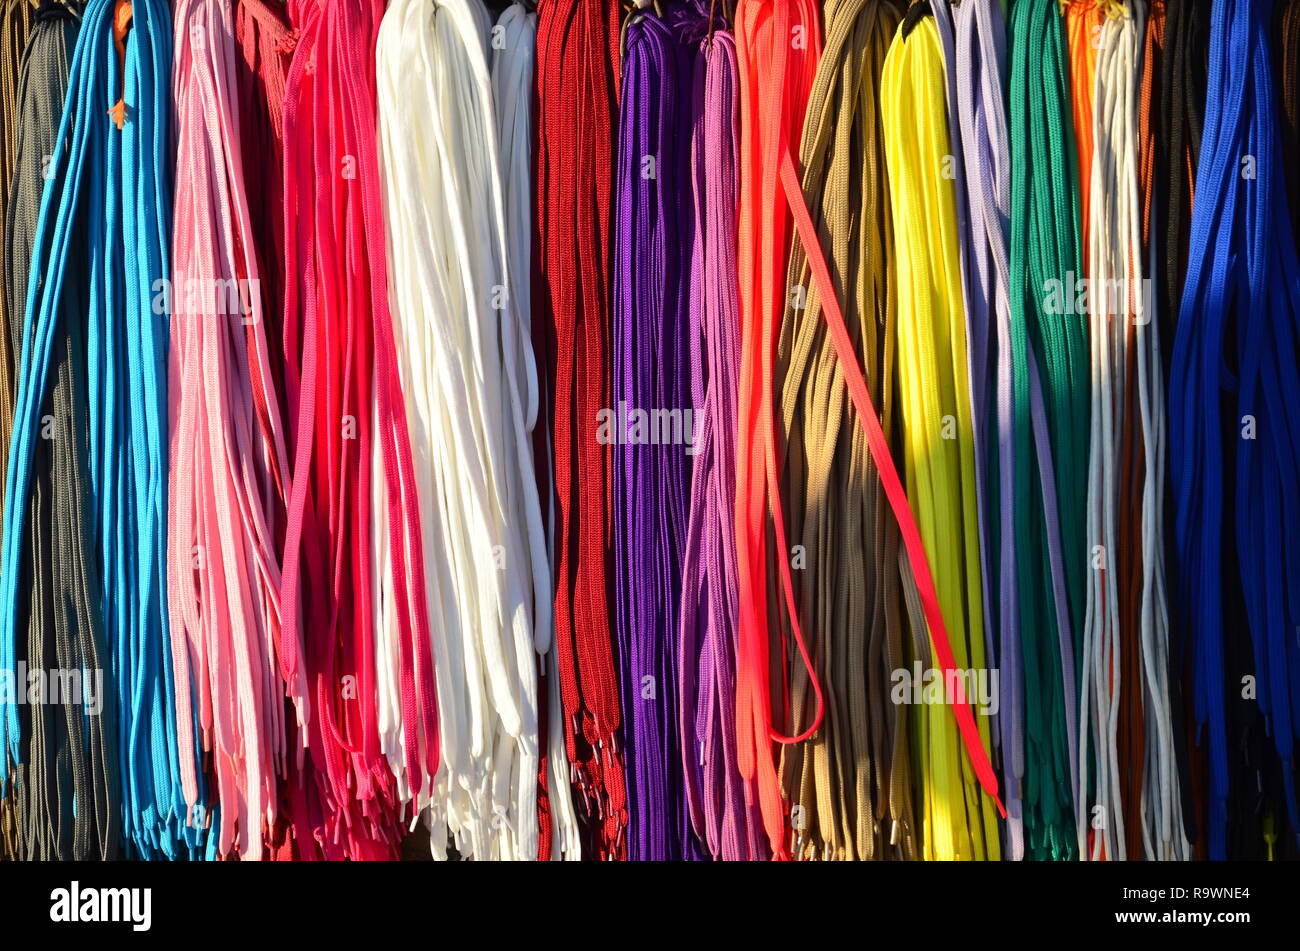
point(938, 445)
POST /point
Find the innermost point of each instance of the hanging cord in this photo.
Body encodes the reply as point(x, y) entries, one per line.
point(1110, 693)
point(223, 566)
point(16, 21)
point(352, 453)
point(935, 402)
point(17, 18)
point(979, 341)
point(68, 753)
point(1234, 346)
point(651, 424)
point(1046, 349)
point(851, 782)
point(981, 53)
point(729, 828)
point(917, 562)
point(778, 45)
point(264, 49)
point(1162, 784)
point(479, 496)
point(115, 508)
point(1180, 117)
point(1084, 20)
point(514, 54)
point(577, 83)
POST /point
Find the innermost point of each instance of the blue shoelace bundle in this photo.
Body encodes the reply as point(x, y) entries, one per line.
point(1236, 441)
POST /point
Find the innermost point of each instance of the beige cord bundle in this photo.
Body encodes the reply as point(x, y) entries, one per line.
point(848, 785)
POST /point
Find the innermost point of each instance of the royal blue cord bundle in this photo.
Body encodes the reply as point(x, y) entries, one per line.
point(1235, 439)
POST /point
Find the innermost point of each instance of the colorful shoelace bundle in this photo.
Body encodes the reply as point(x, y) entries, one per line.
point(1112, 685)
point(351, 453)
point(514, 60)
point(577, 83)
point(935, 415)
point(1181, 114)
point(650, 423)
point(1160, 783)
point(56, 621)
point(467, 357)
point(849, 784)
point(978, 112)
point(728, 826)
point(778, 44)
point(229, 463)
point(16, 20)
point(1232, 440)
point(1047, 352)
point(109, 185)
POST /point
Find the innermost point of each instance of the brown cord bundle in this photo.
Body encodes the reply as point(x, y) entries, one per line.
point(15, 27)
point(851, 781)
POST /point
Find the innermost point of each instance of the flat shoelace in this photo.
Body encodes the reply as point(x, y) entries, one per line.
point(55, 558)
point(577, 81)
point(852, 781)
point(1108, 684)
point(935, 402)
point(1049, 409)
point(352, 451)
point(981, 116)
point(467, 360)
point(729, 827)
point(117, 158)
point(778, 45)
point(1235, 337)
point(228, 454)
point(514, 59)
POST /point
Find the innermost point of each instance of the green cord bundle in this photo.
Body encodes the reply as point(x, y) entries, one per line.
point(1051, 428)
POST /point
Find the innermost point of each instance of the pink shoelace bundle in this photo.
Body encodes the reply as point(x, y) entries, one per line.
point(228, 454)
point(345, 399)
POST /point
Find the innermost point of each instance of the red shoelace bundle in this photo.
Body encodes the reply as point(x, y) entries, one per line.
point(346, 405)
point(577, 83)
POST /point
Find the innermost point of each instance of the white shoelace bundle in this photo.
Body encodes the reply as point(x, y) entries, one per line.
point(1114, 272)
point(514, 59)
point(1117, 302)
point(467, 369)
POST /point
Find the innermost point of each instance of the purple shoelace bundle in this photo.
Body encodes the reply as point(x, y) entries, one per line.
point(651, 425)
point(706, 652)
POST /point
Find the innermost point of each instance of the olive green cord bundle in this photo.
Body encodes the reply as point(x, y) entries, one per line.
point(68, 753)
point(15, 25)
point(850, 784)
point(1050, 344)
point(16, 19)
